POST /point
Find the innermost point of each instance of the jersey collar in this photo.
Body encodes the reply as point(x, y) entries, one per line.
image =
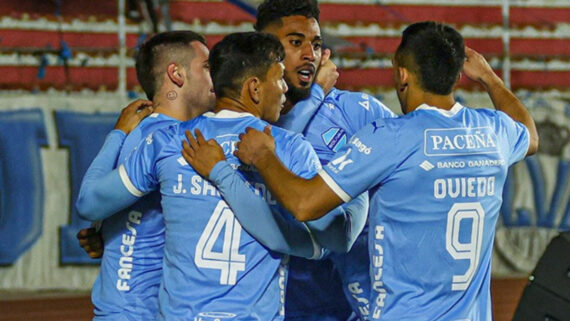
point(448, 113)
point(225, 113)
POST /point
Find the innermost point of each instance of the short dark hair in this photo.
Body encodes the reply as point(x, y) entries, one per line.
point(271, 11)
point(161, 47)
point(241, 55)
point(433, 51)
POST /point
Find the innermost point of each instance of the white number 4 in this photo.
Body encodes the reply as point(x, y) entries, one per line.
point(228, 261)
point(465, 251)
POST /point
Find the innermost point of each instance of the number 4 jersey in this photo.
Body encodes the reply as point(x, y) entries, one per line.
point(213, 269)
point(436, 179)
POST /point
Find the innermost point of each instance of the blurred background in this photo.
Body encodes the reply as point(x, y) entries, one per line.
point(67, 68)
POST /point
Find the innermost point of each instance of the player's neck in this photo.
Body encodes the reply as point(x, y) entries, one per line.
point(234, 104)
point(174, 108)
point(439, 101)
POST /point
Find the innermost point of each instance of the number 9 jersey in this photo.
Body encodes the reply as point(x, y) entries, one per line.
point(436, 179)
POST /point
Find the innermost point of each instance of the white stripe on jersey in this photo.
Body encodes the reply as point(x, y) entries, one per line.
point(317, 249)
point(127, 182)
point(334, 186)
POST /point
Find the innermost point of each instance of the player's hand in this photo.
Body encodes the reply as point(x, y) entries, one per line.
point(477, 68)
point(254, 145)
point(202, 155)
point(132, 115)
point(91, 242)
point(327, 75)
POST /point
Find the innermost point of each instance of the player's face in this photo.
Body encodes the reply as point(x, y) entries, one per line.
point(301, 38)
point(272, 93)
point(200, 91)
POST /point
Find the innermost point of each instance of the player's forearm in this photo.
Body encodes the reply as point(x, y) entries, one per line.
point(297, 118)
point(99, 184)
point(263, 222)
point(357, 211)
point(339, 229)
point(299, 196)
point(103, 197)
point(505, 101)
point(331, 230)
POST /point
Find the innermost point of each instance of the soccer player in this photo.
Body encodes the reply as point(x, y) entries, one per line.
point(172, 68)
point(314, 287)
point(205, 247)
point(153, 58)
point(435, 175)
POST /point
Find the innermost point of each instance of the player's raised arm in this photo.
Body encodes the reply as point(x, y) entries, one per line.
point(477, 69)
point(102, 192)
point(306, 199)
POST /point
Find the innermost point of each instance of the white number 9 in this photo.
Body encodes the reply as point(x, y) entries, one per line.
point(465, 251)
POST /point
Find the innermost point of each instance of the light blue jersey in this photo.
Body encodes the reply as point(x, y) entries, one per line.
point(436, 180)
point(315, 285)
point(213, 269)
point(131, 266)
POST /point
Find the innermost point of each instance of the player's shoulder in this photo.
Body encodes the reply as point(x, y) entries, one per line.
point(390, 125)
point(343, 98)
point(189, 124)
point(295, 152)
point(155, 122)
point(367, 102)
point(503, 123)
point(161, 135)
point(483, 112)
point(490, 116)
point(289, 140)
point(282, 133)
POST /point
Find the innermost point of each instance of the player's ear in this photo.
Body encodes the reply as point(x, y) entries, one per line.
point(404, 78)
point(254, 89)
point(175, 74)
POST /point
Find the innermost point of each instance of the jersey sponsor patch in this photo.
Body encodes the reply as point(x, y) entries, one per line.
point(334, 138)
point(460, 141)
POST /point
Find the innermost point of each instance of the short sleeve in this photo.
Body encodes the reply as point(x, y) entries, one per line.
point(517, 135)
point(139, 171)
point(300, 157)
point(364, 162)
point(361, 109)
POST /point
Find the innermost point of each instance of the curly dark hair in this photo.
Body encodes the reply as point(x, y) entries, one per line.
point(271, 11)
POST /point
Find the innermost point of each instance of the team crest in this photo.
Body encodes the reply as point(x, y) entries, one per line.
point(334, 138)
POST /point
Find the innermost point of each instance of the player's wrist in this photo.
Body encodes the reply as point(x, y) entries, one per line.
point(263, 159)
point(120, 134)
point(218, 171)
point(490, 80)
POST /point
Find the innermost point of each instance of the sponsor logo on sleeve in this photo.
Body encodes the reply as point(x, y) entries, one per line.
point(360, 146)
point(339, 163)
point(376, 127)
